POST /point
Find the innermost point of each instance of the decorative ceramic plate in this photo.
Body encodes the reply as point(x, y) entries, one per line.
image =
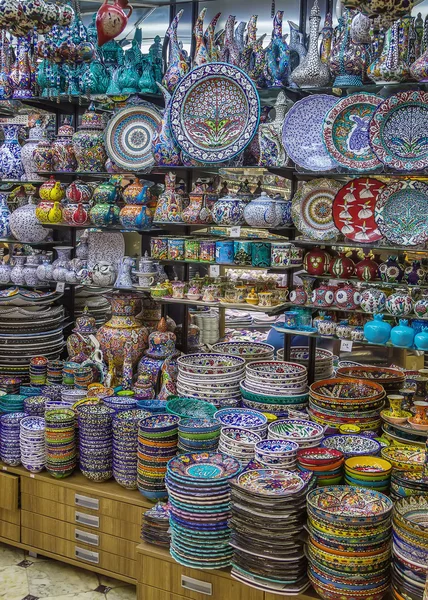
point(129, 135)
point(302, 133)
point(398, 131)
point(345, 501)
point(346, 131)
point(401, 212)
point(295, 429)
point(240, 417)
point(311, 209)
point(215, 112)
point(354, 208)
point(408, 459)
point(351, 445)
point(203, 467)
point(270, 482)
point(105, 246)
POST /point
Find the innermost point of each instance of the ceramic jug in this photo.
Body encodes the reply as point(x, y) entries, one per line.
point(177, 66)
point(169, 206)
point(348, 60)
point(277, 55)
point(111, 20)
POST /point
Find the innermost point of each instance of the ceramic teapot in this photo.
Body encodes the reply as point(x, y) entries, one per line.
point(103, 274)
point(111, 20)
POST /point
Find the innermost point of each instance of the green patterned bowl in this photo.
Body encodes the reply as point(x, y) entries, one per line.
point(187, 408)
point(267, 399)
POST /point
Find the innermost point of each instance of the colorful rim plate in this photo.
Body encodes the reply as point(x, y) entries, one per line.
point(401, 212)
point(204, 466)
point(345, 131)
point(354, 209)
point(129, 136)
point(349, 501)
point(398, 131)
point(214, 112)
point(311, 209)
point(270, 482)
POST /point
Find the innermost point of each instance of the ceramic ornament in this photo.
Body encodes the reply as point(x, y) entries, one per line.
point(111, 20)
point(311, 209)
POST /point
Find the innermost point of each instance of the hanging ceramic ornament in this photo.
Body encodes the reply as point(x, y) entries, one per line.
point(111, 20)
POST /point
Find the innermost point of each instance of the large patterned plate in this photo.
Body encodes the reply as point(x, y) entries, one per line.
point(399, 131)
point(270, 482)
point(129, 135)
point(215, 112)
point(353, 210)
point(204, 466)
point(105, 246)
point(311, 209)
point(302, 133)
point(346, 131)
point(401, 212)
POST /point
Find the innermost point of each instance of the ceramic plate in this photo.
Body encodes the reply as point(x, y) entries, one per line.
point(129, 135)
point(346, 501)
point(203, 467)
point(346, 131)
point(302, 133)
point(105, 246)
point(270, 482)
point(351, 445)
point(311, 209)
point(401, 212)
point(240, 417)
point(398, 131)
point(215, 112)
point(353, 210)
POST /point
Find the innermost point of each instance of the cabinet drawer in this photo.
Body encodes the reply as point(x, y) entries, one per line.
point(79, 518)
point(9, 491)
point(92, 540)
point(192, 583)
point(76, 551)
point(145, 592)
point(86, 502)
point(11, 516)
point(10, 531)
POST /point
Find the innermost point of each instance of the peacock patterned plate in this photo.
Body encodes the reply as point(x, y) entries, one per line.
point(270, 482)
point(129, 135)
point(399, 131)
point(346, 131)
point(401, 212)
point(311, 209)
point(215, 112)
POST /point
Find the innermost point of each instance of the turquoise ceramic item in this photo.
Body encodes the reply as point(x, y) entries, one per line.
point(402, 335)
point(377, 331)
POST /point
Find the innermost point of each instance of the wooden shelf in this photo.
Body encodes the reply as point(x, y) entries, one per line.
point(270, 310)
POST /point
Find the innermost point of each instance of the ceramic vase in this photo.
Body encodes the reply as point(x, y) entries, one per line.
point(165, 151)
point(373, 300)
point(17, 274)
point(347, 297)
point(24, 224)
point(377, 331)
point(5, 270)
point(391, 271)
point(42, 156)
point(367, 269)
point(399, 303)
point(4, 216)
point(88, 143)
point(63, 157)
point(392, 65)
point(277, 56)
point(283, 211)
point(421, 306)
point(348, 60)
point(271, 149)
point(229, 210)
point(316, 262)
point(169, 206)
point(415, 274)
point(10, 154)
point(34, 136)
point(191, 214)
point(341, 267)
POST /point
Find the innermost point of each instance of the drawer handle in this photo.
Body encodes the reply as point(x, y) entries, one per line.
point(86, 502)
point(84, 519)
point(87, 538)
point(88, 555)
point(195, 585)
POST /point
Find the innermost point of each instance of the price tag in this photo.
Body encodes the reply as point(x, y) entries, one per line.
point(32, 475)
point(4, 468)
point(214, 270)
point(60, 286)
point(235, 231)
point(346, 346)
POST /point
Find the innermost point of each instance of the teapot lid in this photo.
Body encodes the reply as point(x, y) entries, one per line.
point(91, 119)
point(85, 324)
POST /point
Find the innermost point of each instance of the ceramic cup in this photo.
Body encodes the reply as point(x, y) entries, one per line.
point(395, 403)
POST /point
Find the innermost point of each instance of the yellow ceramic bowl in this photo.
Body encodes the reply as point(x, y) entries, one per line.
point(405, 458)
point(372, 468)
point(349, 428)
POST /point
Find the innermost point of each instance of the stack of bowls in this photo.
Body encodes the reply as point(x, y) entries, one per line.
point(153, 406)
point(242, 417)
point(70, 396)
point(392, 380)
point(32, 443)
point(325, 463)
point(155, 526)
point(407, 483)
point(238, 442)
point(336, 402)
point(352, 445)
point(120, 403)
point(188, 408)
point(405, 458)
point(305, 433)
point(199, 496)
point(410, 548)
point(10, 452)
point(210, 377)
point(54, 371)
point(368, 472)
point(198, 435)
point(95, 441)
point(323, 360)
point(60, 443)
point(10, 403)
point(349, 542)
point(277, 454)
point(157, 444)
point(38, 370)
point(249, 351)
point(125, 446)
point(34, 406)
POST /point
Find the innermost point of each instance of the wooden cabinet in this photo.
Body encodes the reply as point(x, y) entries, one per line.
point(9, 491)
point(145, 592)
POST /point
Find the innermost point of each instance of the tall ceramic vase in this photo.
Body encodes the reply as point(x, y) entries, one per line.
point(35, 134)
point(4, 216)
point(272, 152)
point(10, 154)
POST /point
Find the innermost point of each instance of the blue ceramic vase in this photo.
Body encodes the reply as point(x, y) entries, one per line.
point(377, 331)
point(421, 339)
point(402, 335)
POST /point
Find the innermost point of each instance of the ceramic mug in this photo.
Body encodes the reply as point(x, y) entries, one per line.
point(265, 298)
point(395, 403)
point(146, 279)
point(240, 294)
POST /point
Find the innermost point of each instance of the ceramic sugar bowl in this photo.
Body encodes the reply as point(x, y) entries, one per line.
point(229, 210)
point(261, 212)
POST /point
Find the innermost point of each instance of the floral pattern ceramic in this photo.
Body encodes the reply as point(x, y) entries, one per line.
point(352, 445)
point(311, 209)
point(373, 300)
point(270, 482)
point(24, 225)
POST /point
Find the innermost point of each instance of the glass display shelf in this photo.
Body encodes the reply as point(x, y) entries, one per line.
point(344, 243)
point(101, 229)
point(269, 310)
point(314, 334)
point(228, 266)
point(367, 284)
point(355, 310)
point(18, 242)
point(383, 89)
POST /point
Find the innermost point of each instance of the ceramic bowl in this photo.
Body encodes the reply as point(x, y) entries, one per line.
point(276, 370)
point(367, 467)
point(352, 445)
point(277, 448)
point(210, 364)
point(386, 376)
point(319, 456)
point(247, 350)
point(295, 429)
point(417, 426)
point(346, 391)
point(406, 458)
point(265, 398)
point(387, 416)
point(189, 407)
point(275, 409)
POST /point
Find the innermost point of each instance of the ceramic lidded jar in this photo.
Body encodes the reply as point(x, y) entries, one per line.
point(341, 266)
point(399, 303)
point(373, 300)
point(63, 157)
point(316, 262)
point(25, 226)
point(88, 143)
point(42, 156)
point(323, 296)
point(421, 306)
point(367, 269)
point(35, 134)
point(229, 210)
point(377, 331)
point(283, 211)
point(326, 326)
point(261, 212)
point(343, 330)
point(347, 297)
point(391, 270)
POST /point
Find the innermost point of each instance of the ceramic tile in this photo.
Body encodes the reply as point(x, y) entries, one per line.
point(24, 564)
point(10, 556)
point(110, 582)
point(83, 596)
point(36, 559)
point(128, 592)
point(52, 578)
point(13, 583)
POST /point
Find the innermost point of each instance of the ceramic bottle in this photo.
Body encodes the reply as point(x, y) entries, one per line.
point(271, 149)
point(169, 206)
point(35, 134)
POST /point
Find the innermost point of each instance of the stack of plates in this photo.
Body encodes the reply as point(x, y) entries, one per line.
point(242, 417)
point(392, 380)
point(325, 463)
point(70, 396)
point(95, 441)
point(410, 548)
point(187, 408)
point(198, 435)
point(60, 442)
point(93, 298)
point(323, 360)
point(238, 442)
point(155, 527)
point(35, 406)
point(277, 454)
point(352, 445)
point(32, 443)
point(249, 351)
point(10, 403)
point(305, 433)
point(407, 483)
point(10, 452)
point(125, 445)
point(349, 542)
point(199, 495)
point(268, 514)
point(368, 472)
point(404, 458)
point(10, 385)
point(157, 444)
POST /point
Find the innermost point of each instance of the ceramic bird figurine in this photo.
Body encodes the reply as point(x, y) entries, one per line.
point(230, 51)
point(201, 55)
point(209, 39)
point(177, 67)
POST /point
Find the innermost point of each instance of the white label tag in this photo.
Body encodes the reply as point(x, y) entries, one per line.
point(32, 475)
point(346, 346)
point(214, 270)
point(60, 286)
point(4, 468)
point(235, 231)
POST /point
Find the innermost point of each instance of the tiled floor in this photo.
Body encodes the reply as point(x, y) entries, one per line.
point(23, 577)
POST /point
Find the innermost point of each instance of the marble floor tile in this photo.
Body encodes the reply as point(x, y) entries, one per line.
point(10, 556)
point(13, 583)
point(52, 578)
point(128, 592)
point(110, 582)
point(82, 596)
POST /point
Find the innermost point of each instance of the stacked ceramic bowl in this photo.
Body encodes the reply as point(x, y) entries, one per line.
point(34, 406)
point(335, 402)
point(120, 403)
point(155, 526)
point(323, 360)
point(198, 435)
point(277, 454)
point(368, 472)
point(410, 548)
point(95, 441)
point(32, 443)
point(268, 515)
point(305, 433)
point(352, 445)
point(210, 377)
point(326, 464)
point(157, 444)
point(405, 458)
point(249, 351)
point(275, 386)
point(199, 495)
point(60, 442)
point(10, 452)
point(349, 542)
point(70, 396)
point(10, 403)
point(238, 442)
point(125, 445)
point(392, 380)
point(244, 418)
point(188, 408)
point(407, 483)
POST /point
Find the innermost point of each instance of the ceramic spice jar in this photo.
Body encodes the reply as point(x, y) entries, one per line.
point(63, 157)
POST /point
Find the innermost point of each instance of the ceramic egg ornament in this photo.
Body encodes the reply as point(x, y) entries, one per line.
point(111, 20)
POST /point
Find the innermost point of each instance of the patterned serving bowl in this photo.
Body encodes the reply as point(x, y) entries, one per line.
point(274, 409)
point(367, 468)
point(248, 350)
point(270, 482)
point(305, 433)
point(412, 515)
point(209, 386)
point(338, 391)
point(277, 448)
point(352, 445)
point(242, 417)
point(210, 364)
point(390, 379)
point(318, 457)
point(190, 407)
point(405, 458)
point(292, 398)
point(275, 371)
point(203, 467)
